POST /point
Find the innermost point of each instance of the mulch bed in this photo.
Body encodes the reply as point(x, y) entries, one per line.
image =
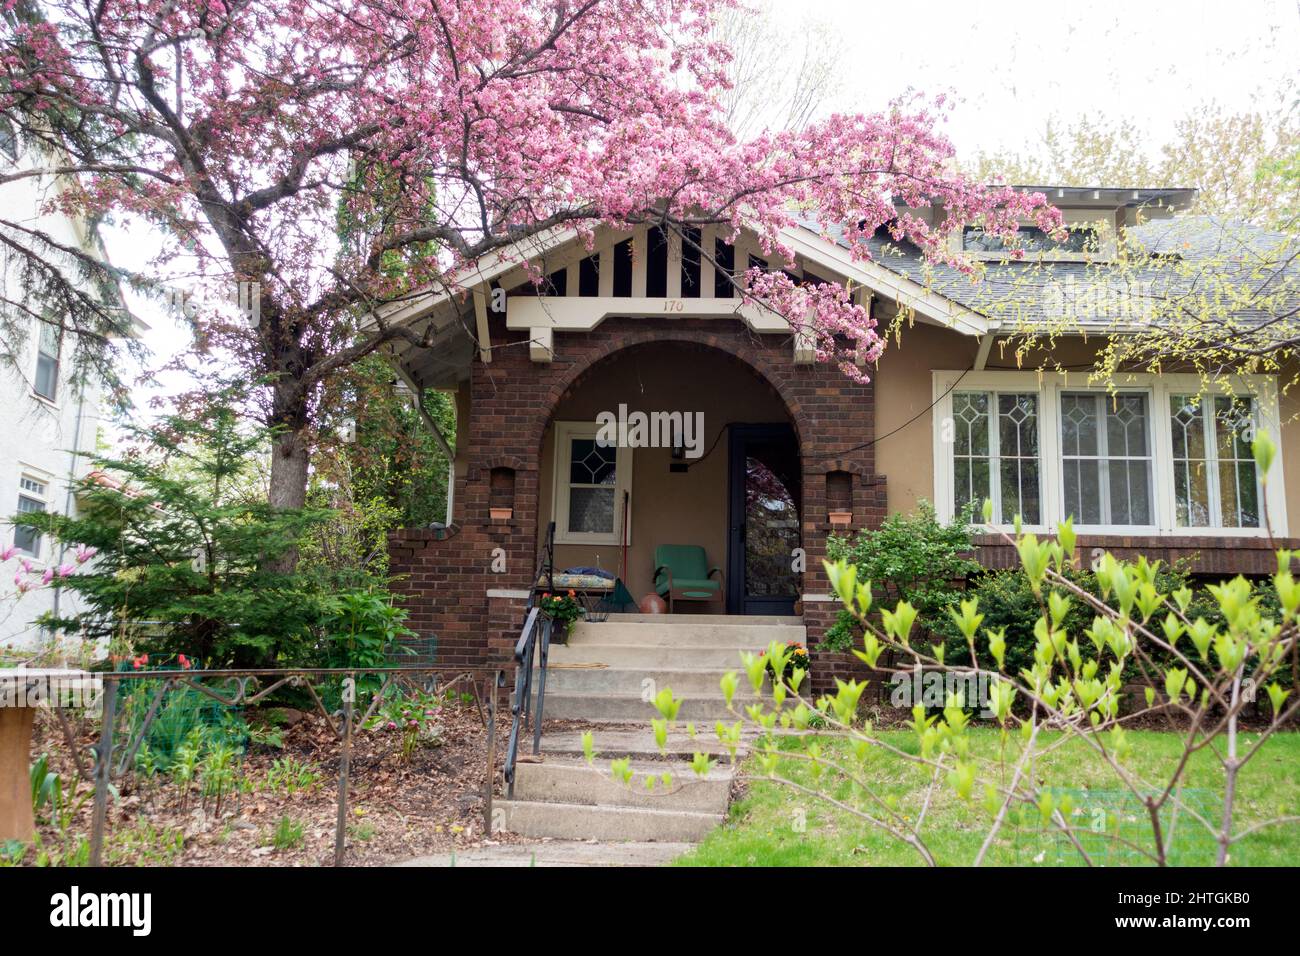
point(396, 812)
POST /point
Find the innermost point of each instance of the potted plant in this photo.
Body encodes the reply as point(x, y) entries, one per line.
point(564, 610)
point(796, 659)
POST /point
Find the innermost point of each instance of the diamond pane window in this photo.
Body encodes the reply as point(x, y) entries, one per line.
point(995, 454)
point(592, 479)
point(1216, 484)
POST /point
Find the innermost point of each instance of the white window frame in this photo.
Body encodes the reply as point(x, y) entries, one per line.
point(53, 398)
point(1159, 388)
point(1103, 459)
point(995, 450)
point(565, 432)
point(26, 475)
point(1210, 437)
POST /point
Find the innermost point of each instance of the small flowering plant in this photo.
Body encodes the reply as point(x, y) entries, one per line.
point(564, 609)
point(796, 658)
point(30, 576)
point(413, 716)
point(144, 662)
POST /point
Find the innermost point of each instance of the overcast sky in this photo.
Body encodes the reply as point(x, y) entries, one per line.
point(1012, 64)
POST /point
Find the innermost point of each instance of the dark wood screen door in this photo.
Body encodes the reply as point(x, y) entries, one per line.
point(763, 519)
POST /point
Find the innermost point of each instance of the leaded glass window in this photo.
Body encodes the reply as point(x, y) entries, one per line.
point(1215, 480)
point(996, 454)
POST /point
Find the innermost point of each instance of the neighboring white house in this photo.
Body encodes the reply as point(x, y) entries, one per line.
point(44, 419)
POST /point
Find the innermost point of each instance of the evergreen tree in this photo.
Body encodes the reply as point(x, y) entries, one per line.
point(188, 547)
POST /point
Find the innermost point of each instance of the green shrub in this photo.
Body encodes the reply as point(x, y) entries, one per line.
point(913, 558)
point(1007, 602)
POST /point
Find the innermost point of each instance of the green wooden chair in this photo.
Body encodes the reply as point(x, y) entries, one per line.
point(682, 573)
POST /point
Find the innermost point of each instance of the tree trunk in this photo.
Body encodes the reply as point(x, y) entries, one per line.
point(289, 459)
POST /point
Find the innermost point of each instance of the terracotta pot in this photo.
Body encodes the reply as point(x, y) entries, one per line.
point(653, 604)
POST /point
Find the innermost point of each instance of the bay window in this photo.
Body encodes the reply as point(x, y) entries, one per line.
point(1147, 456)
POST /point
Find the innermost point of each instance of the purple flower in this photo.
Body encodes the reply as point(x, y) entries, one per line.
point(8, 553)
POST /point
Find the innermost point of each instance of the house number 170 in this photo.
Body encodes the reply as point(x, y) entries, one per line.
point(674, 305)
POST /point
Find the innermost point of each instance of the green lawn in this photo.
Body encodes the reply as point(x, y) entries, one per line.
point(763, 828)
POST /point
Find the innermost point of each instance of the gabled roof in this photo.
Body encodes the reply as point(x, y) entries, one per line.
point(1006, 294)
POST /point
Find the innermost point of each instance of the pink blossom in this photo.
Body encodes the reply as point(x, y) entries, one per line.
point(66, 569)
point(482, 123)
point(84, 554)
point(48, 576)
point(8, 553)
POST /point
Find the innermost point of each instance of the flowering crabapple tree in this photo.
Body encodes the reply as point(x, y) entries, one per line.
point(1195, 676)
point(443, 132)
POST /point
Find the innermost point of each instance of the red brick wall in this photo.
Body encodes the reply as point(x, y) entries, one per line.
point(447, 575)
point(1203, 554)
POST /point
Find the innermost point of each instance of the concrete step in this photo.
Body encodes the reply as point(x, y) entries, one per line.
point(738, 619)
point(637, 742)
point(650, 656)
point(573, 821)
point(568, 705)
point(560, 780)
point(747, 636)
point(700, 682)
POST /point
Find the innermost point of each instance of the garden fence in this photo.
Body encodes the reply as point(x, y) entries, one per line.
point(153, 721)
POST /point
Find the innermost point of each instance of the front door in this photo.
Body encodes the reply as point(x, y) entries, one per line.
point(763, 518)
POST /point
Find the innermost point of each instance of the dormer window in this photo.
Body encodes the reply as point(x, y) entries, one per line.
point(1078, 240)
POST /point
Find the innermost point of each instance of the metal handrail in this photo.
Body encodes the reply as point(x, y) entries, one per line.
point(536, 626)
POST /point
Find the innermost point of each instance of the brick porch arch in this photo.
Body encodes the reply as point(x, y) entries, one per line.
point(732, 346)
point(453, 589)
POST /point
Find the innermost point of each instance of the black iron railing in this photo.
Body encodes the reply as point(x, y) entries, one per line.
point(533, 647)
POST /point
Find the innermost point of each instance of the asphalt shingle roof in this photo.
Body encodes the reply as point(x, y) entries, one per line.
point(1184, 251)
